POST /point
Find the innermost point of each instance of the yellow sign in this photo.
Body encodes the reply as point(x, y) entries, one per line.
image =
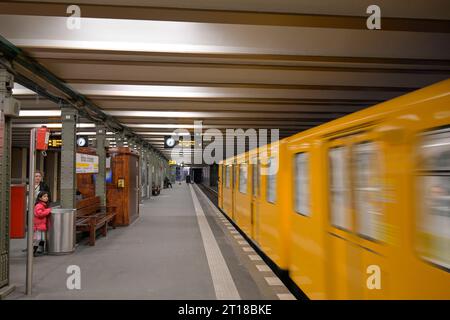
point(188, 143)
point(54, 143)
point(172, 162)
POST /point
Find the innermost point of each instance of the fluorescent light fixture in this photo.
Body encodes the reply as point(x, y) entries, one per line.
point(130, 90)
point(161, 126)
point(79, 133)
point(40, 113)
point(51, 125)
point(157, 114)
point(164, 133)
point(19, 89)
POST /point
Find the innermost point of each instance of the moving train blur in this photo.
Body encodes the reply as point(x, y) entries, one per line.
point(357, 208)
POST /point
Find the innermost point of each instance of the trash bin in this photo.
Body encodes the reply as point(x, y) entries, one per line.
point(61, 233)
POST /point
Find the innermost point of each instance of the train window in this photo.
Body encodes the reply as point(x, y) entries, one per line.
point(227, 176)
point(339, 188)
point(271, 181)
point(256, 174)
point(434, 195)
point(243, 178)
point(302, 184)
point(367, 190)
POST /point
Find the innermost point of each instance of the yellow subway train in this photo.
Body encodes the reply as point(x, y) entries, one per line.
point(357, 208)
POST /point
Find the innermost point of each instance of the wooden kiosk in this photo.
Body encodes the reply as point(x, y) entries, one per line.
point(123, 179)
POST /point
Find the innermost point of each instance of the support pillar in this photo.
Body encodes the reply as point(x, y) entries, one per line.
point(7, 110)
point(153, 162)
point(100, 182)
point(149, 173)
point(68, 157)
point(119, 140)
point(161, 170)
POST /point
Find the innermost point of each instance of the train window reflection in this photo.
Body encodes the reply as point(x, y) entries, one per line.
point(368, 190)
point(227, 176)
point(256, 177)
point(434, 188)
point(243, 178)
point(302, 184)
point(339, 188)
point(271, 181)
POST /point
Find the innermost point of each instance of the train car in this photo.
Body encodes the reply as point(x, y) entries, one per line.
point(227, 188)
point(257, 199)
point(370, 207)
point(360, 208)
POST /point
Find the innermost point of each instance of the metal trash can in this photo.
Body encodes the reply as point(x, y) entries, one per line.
point(61, 233)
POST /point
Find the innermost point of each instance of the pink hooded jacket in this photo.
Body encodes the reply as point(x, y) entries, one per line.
point(41, 213)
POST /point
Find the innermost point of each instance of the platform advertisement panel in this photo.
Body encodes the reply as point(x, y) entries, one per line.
point(86, 163)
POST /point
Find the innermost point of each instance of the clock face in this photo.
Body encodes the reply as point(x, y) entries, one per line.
point(170, 142)
point(81, 142)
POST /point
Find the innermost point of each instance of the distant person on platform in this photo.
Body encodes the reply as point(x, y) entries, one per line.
point(40, 185)
point(167, 182)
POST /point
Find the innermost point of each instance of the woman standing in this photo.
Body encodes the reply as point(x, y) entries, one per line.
point(40, 185)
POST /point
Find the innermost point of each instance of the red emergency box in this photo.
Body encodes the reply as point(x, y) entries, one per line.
point(18, 211)
point(42, 137)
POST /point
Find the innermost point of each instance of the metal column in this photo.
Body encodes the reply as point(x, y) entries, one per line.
point(7, 109)
point(149, 173)
point(68, 157)
point(100, 182)
point(119, 140)
point(153, 164)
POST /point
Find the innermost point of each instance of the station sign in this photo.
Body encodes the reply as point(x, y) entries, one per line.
point(186, 143)
point(172, 162)
point(54, 142)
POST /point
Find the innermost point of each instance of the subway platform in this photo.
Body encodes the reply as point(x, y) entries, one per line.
point(180, 247)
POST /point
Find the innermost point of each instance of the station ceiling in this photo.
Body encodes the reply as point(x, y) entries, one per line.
point(156, 66)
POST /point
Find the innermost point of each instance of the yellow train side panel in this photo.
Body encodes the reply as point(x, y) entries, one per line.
point(274, 225)
point(242, 215)
point(307, 248)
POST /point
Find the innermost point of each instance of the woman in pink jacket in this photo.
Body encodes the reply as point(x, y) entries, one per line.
point(40, 221)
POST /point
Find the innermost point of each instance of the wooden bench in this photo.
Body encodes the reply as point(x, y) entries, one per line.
point(91, 216)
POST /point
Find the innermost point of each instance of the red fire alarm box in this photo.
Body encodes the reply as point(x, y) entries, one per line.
point(18, 211)
point(42, 137)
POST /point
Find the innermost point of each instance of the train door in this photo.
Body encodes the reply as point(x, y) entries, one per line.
point(220, 185)
point(234, 169)
point(256, 183)
point(356, 231)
